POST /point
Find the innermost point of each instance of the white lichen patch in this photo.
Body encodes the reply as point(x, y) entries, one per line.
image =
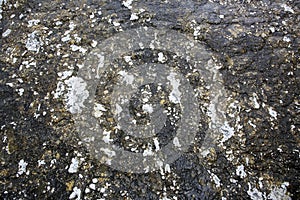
point(75, 194)
point(128, 78)
point(273, 113)
point(41, 162)
point(134, 16)
point(76, 94)
point(216, 179)
point(148, 151)
point(21, 91)
point(196, 29)
point(95, 180)
point(106, 137)
point(156, 144)
point(100, 64)
point(116, 23)
point(254, 100)
point(286, 39)
point(128, 60)
point(52, 162)
point(60, 89)
point(94, 43)
point(98, 110)
point(127, 3)
point(108, 152)
point(280, 193)
point(204, 152)
point(33, 42)
point(22, 167)
point(227, 132)
point(118, 109)
point(2, 2)
point(165, 197)
point(58, 23)
point(175, 95)
point(10, 84)
point(92, 186)
point(72, 25)
point(254, 193)
point(66, 38)
point(65, 74)
point(33, 22)
point(74, 165)
point(240, 171)
point(78, 48)
point(167, 168)
point(147, 108)
point(272, 29)
point(161, 57)
point(176, 142)
point(6, 33)
point(287, 8)
point(159, 164)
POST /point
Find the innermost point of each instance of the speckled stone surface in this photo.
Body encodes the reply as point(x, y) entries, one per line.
point(255, 45)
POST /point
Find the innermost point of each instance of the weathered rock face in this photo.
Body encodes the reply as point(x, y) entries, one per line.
point(246, 87)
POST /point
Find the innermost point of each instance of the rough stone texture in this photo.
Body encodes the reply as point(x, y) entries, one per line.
point(257, 44)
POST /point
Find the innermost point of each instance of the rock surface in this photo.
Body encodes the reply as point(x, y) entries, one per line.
point(256, 43)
